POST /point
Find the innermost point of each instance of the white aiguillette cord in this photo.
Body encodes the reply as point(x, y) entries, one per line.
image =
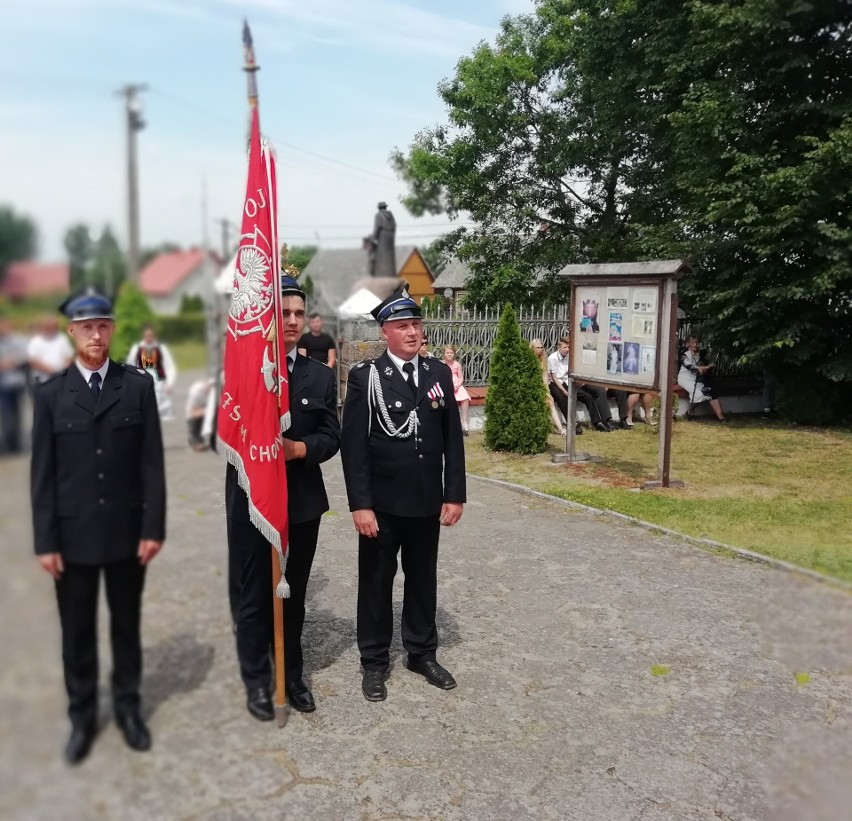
point(375, 398)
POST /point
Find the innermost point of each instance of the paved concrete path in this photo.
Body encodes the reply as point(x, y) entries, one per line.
point(551, 620)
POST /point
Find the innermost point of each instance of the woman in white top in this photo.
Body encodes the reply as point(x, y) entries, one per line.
point(691, 377)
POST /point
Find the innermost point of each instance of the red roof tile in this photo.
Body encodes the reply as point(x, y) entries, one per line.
point(27, 279)
point(166, 271)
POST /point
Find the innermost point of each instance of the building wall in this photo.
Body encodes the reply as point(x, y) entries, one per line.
point(193, 285)
point(416, 273)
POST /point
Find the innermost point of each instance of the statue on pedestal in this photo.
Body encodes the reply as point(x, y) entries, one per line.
point(381, 253)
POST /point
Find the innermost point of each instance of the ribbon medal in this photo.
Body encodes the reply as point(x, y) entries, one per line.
point(436, 394)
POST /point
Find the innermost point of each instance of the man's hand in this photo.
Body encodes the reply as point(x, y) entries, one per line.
point(52, 563)
point(365, 523)
point(148, 548)
point(451, 512)
point(294, 450)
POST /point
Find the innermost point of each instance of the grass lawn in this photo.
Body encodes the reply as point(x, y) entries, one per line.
point(778, 490)
point(189, 355)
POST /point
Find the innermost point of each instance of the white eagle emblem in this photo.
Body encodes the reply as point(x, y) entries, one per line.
point(253, 294)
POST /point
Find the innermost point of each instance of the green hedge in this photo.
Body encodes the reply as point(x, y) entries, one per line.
point(190, 327)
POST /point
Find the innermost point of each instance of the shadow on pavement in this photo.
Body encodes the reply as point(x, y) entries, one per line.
point(175, 666)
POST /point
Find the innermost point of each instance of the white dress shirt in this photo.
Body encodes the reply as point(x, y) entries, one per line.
point(87, 374)
point(558, 366)
point(400, 362)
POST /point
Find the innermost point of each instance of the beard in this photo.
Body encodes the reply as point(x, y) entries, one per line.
point(93, 358)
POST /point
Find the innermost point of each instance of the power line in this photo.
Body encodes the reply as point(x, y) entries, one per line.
point(224, 120)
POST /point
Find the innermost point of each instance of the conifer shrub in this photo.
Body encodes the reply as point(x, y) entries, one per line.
point(132, 314)
point(517, 417)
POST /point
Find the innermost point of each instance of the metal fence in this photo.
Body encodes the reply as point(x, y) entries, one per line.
point(473, 333)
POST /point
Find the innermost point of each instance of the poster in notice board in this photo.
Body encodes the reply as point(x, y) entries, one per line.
point(614, 333)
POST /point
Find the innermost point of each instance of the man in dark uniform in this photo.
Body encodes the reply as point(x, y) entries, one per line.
point(99, 505)
point(403, 460)
point(313, 438)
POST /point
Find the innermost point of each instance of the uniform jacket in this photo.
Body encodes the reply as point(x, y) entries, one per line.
point(313, 420)
point(403, 477)
point(98, 475)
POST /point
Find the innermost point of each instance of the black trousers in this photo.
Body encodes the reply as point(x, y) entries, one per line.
point(77, 595)
point(620, 401)
point(250, 593)
point(560, 398)
point(596, 403)
point(592, 397)
point(417, 538)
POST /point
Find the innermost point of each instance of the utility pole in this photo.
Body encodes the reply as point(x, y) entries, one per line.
point(135, 123)
point(225, 225)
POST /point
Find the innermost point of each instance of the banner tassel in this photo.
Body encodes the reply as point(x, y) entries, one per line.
point(283, 589)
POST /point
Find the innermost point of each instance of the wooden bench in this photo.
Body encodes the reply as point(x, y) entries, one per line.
point(477, 396)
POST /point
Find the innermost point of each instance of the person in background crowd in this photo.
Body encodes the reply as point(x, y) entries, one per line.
point(196, 407)
point(592, 397)
point(694, 378)
point(154, 357)
point(98, 485)
point(461, 395)
point(538, 349)
point(424, 348)
point(622, 402)
point(647, 401)
point(13, 382)
point(49, 350)
point(317, 344)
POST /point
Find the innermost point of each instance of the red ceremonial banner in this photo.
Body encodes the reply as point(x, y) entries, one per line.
point(253, 409)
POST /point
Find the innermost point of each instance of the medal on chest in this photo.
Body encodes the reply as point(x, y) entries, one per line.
point(436, 394)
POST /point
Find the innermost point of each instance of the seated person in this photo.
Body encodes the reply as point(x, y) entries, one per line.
point(647, 401)
point(592, 397)
point(538, 349)
point(694, 378)
point(622, 399)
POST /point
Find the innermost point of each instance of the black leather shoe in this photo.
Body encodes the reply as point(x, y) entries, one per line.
point(79, 744)
point(373, 685)
point(300, 697)
point(600, 426)
point(433, 673)
point(135, 733)
point(260, 704)
point(579, 430)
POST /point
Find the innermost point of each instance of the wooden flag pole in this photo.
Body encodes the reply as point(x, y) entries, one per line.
point(281, 710)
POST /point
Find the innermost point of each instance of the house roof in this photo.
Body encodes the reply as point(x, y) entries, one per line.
point(455, 275)
point(26, 279)
point(335, 272)
point(166, 271)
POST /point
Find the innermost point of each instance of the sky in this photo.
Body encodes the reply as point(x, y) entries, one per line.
point(342, 83)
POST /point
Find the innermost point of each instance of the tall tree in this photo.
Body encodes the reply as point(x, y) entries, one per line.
point(609, 130)
point(18, 237)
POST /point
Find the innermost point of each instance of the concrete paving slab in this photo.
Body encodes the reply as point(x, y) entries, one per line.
point(605, 672)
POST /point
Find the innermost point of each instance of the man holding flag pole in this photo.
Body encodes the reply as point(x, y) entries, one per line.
point(262, 377)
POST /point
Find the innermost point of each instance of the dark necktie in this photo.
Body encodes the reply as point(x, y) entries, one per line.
point(408, 367)
point(95, 384)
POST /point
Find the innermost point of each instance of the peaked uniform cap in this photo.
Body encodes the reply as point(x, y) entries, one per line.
point(289, 287)
point(399, 305)
point(88, 304)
